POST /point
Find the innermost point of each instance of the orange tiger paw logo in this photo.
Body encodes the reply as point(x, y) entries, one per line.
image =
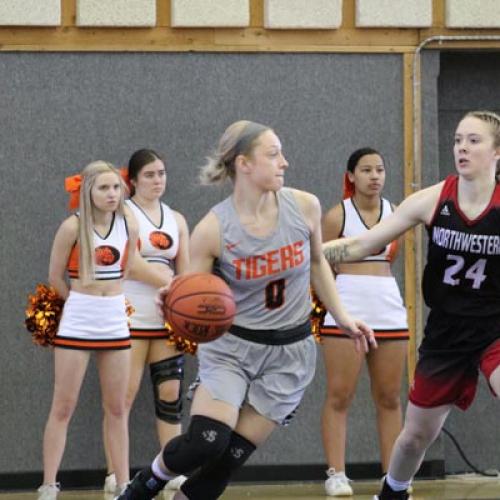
point(160, 240)
point(106, 255)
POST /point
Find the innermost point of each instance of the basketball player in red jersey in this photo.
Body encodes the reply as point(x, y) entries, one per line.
point(95, 247)
point(163, 246)
point(369, 291)
point(265, 241)
point(461, 286)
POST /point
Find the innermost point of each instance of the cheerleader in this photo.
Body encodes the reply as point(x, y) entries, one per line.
point(163, 246)
point(94, 246)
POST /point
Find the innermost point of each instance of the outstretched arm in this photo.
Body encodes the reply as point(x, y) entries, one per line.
point(418, 207)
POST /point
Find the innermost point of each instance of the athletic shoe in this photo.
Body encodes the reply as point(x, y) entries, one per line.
point(337, 484)
point(176, 483)
point(120, 488)
point(49, 491)
point(388, 493)
point(409, 490)
point(401, 495)
point(110, 483)
point(144, 486)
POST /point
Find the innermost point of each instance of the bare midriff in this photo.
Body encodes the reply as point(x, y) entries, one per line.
point(367, 268)
point(104, 288)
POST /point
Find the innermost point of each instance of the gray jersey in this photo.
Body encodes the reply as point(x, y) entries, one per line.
point(269, 276)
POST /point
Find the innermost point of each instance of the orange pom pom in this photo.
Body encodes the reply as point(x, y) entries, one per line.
point(317, 317)
point(43, 314)
point(181, 344)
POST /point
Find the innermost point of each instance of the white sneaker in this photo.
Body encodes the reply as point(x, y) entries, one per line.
point(337, 484)
point(110, 483)
point(176, 483)
point(49, 491)
point(120, 488)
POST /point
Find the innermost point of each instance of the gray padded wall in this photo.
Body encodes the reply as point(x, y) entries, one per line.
point(469, 81)
point(60, 111)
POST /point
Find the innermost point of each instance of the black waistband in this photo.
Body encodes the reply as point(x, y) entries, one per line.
point(273, 337)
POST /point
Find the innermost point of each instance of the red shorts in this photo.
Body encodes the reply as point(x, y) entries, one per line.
point(452, 386)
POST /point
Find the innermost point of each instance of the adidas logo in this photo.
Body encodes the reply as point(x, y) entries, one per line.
point(445, 211)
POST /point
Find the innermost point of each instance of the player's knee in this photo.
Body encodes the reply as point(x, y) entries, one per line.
point(169, 411)
point(166, 377)
point(387, 399)
point(169, 390)
point(340, 400)
point(415, 441)
point(115, 409)
point(209, 483)
point(63, 411)
point(205, 439)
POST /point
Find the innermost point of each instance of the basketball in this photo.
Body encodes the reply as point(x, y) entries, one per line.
point(199, 307)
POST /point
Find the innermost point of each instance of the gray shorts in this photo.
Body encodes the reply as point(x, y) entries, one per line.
point(270, 378)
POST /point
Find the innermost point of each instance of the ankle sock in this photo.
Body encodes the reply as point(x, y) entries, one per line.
point(159, 472)
point(397, 485)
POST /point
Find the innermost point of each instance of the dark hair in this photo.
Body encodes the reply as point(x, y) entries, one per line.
point(358, 154)
point(138, 161)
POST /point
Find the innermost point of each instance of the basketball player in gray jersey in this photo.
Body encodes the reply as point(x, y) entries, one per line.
point(265, 241)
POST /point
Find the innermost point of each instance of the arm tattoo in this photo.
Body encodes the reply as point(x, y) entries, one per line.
point(337, 253)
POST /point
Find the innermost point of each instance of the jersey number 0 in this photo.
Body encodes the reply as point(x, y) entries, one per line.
point(275, 294)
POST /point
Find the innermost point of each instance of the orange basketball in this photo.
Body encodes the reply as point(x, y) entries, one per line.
point(199, 307)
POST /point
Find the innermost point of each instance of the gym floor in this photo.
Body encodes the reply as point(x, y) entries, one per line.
point(454, 488)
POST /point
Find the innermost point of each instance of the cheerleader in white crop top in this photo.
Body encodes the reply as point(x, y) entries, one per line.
point(158, 244)
point(163, 246)
point(95, 248)
point(111, 252)
point(369, 291)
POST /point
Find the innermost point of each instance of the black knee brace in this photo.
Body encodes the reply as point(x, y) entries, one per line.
point(210, 481)
point(161, 371)
point(205, 440)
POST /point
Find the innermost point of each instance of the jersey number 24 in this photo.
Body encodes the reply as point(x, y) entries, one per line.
point(474, 272)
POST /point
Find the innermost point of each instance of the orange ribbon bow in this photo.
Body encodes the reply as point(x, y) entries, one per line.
point(124, 174)
point(72, 185)
point(348, 187)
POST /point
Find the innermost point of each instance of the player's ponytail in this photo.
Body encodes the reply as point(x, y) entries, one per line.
point(238, 139)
